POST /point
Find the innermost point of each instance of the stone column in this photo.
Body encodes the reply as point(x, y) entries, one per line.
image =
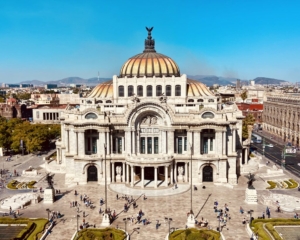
point(126, 142)
point(171, 142)
point(163, 142)
point(185, 172)
point(58, 155)
point(171, 174)
point(113, 172)
point(72, 140)
point(67, 141)
point(81, 143)
point(175, 171)
point(123, 172)
point(111, 142)
point(107, 143)
point(76, 143)
point(196, 145)
point(123, 143)
point(132, 177)
point(155, 177)
point(246, 155)
point(133, 142)
point(224, 143)
point(190, 142)
point(142, 176)
point(166, 176)
point(127, 173)
point(138, 138)
point(100, 150)
point(234, 140)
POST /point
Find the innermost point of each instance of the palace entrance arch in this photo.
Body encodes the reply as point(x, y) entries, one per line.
point(207, 174)
point(92, 174)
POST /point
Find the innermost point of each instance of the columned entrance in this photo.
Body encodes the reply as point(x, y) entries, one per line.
point(92, 174)
point(149, 173)
point(207, 174)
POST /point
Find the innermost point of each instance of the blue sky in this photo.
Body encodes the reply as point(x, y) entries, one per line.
point(51, 40)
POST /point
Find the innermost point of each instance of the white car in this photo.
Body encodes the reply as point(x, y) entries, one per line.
point(270, 145)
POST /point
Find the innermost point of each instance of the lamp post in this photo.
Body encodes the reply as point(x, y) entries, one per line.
point(48, 210)
point(221, 214)
point(250, 216)
point(22, 146)
point(191, 147)
point(105, 178)
point(169, 221)
point(125, 221)
point(77, 217)
point(263, 146)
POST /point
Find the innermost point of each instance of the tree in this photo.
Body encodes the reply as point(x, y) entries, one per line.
point(249, 120)
point(23, 96)
point(36, 137)
point(244, 95)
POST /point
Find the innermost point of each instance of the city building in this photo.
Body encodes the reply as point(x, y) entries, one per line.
point(255, 108)
point(282, 117)
point(50, 86)
point(152, 126)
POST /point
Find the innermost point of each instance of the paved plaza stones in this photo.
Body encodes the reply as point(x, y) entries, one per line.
point(171, 203)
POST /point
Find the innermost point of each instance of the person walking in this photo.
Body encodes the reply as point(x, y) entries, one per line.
point(268, 212)
point(157, 224)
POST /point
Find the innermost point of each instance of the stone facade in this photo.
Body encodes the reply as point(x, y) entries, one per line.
point(173, 130)
point(282, 117)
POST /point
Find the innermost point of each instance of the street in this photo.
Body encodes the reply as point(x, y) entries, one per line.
point(292, 163)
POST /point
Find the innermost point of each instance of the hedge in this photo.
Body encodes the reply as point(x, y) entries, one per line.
point(30, 232)
point(103, 234)
point(14, 184)
point(272, 185)
point(294, 183)
point(194, 234)
point(257, 227)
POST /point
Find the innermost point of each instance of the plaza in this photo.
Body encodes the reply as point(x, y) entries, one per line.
point(170, 203)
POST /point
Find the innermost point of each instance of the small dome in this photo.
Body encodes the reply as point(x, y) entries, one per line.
point(103, 90)
point(149, 63)
point(197, 89)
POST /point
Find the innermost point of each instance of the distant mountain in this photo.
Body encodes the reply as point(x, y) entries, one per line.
point(208, 80)
point(264, 80)
point(67, 81)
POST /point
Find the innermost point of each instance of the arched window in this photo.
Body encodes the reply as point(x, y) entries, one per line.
point(211, 100)
point(130, 90)
point(121, 91)
point(91, 116)
point(200, 100)
point(140, 90)
point(158, 90)
point(177, 90)
point(168, 90)
point(108, 101)
point(208, 115)
point(190, 100)
point(149, 91)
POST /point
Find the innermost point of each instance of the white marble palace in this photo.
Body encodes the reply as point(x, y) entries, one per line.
point(152, 126)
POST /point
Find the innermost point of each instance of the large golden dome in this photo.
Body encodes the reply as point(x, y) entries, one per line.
point(149, 63)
